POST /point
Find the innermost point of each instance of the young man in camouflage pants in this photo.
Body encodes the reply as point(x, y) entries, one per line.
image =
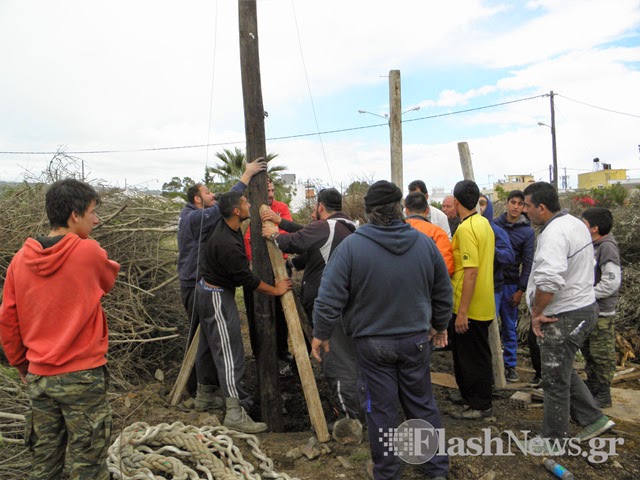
point(54, 331)
point(599, 349)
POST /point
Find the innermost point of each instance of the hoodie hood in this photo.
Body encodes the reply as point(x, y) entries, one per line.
point(46, 261)
point(522, 221)
point(488, 212)
point(397, 238)
point(608, 238)
point(344, 219)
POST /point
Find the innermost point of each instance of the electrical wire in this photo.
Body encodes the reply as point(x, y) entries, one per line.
point(284, 137)
point(599, 108)
point(306, 76)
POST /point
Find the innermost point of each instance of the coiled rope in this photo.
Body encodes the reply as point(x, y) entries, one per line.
point(184, 452)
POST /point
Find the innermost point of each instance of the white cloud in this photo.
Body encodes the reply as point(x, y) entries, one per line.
point(130, 75)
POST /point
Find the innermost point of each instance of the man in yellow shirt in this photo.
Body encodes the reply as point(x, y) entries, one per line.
point(473, 303)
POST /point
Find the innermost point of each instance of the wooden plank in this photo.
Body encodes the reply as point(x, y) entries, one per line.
point(296, 338)
point(185, 370)
point(626, 377)
point(625, 405)
point(444, 379)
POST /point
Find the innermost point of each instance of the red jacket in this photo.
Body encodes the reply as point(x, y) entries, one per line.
point(51, 318)
point(281, 209)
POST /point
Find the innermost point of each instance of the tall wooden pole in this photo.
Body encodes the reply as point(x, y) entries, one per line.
point(395, 126)
point(554, 151)
point(262, 323)
point(494, 332)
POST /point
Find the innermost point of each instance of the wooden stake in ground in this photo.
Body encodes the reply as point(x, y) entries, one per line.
point(494, 332)
point(296, 338)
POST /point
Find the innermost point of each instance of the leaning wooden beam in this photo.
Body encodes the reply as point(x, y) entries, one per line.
point(316, 414)
point(187, 365)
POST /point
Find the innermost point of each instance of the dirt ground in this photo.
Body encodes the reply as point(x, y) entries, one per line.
point(148, 404)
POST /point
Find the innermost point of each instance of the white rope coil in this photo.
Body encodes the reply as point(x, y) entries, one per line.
point(184, 452)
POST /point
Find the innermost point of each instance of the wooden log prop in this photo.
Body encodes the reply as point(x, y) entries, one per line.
point(296, 337)
point(185, 370)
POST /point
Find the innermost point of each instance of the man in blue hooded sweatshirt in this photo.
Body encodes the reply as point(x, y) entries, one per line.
point(389, 286)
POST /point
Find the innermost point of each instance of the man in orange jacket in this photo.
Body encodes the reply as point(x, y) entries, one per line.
point(54, 331)
point(416, 208)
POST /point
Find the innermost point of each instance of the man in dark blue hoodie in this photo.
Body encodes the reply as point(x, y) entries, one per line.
point(196, 220)
point(516, 276)
point(389, 287)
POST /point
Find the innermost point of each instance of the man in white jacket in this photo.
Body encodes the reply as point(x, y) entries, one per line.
point(563, 308)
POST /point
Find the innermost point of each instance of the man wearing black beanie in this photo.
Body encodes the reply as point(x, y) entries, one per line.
point(388, 286)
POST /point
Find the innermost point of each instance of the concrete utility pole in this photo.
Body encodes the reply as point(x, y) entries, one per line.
point(553, 141)
point(395, 126)
point(494, 333)
point(262, 325)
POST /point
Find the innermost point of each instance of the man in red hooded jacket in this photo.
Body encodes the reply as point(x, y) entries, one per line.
point(54, 331)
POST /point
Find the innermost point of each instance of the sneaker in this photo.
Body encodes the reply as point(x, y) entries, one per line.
point(472, 414)
point(511, 375)
point(600, 426)
point(456, 398)
point(536, 382)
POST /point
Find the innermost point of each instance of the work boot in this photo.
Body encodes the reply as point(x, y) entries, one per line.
point(593, 386)
point(237, 419)
point(603, 396)
point(206, 398)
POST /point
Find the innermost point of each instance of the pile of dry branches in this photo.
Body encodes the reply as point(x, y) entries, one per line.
point(138, 231)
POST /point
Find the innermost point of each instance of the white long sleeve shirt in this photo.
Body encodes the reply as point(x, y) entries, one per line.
point(563, 264)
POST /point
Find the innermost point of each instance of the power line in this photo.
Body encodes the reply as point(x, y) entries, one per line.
point(284, 137)
point(306, 76)
point(599, 108)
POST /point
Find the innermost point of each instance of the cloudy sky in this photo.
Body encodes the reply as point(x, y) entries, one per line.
point(127, 76)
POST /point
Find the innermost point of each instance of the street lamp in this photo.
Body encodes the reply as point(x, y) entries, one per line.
point(395, 132)
point(553, 152)
point(385, 116)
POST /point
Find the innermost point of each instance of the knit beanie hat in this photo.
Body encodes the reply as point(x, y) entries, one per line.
point(381, 193)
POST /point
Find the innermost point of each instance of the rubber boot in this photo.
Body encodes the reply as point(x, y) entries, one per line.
point(206, 398)
point(603, 396)
point(237, 419)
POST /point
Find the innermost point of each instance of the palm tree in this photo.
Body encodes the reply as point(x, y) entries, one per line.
point(232, 168)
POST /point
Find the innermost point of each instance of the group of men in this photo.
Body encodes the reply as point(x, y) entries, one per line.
point(378, 296)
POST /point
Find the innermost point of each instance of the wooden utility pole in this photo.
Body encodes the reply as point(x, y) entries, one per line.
point(395, 126)
point(494, 333)
point(262, 323)
point(554, 151)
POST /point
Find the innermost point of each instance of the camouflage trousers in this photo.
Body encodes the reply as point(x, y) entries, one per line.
point(69, 417)
point(599, 351)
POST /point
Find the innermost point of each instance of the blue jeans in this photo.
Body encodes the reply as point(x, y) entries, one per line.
point(509, 319)
point(396, 369)
point(564, 391)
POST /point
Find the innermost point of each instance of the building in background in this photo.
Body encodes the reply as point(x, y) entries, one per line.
point(301, 191)
point(601, 176)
